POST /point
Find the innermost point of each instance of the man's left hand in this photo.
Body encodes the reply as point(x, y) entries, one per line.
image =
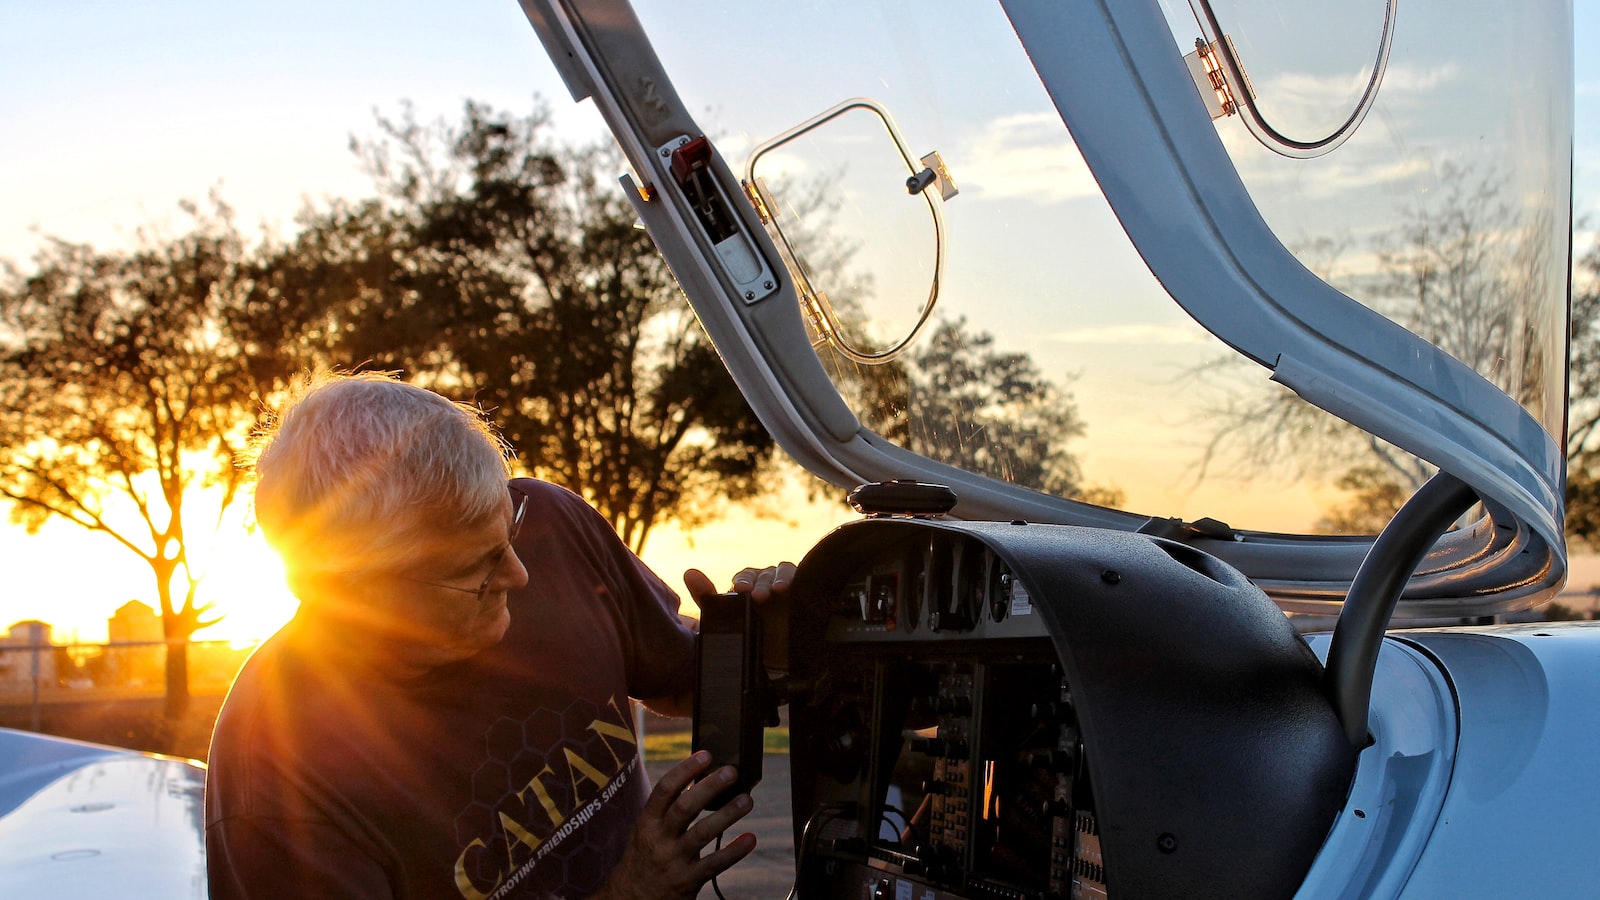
point(769, 588)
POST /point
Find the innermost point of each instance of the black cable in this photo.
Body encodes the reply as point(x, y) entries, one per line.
point(1376, 589)
point(714, 888)
point(905, 822)
point(834, 810)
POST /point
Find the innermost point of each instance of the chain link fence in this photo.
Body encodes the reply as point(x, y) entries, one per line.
point(37, 676)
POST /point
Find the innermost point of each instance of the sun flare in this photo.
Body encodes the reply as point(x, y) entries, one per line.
point(244, 578)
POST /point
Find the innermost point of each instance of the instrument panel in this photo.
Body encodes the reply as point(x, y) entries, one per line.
point(993, 711)
point(944, 588)
point(954, 761)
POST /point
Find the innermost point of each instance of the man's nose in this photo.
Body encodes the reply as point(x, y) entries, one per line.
point(517, 573)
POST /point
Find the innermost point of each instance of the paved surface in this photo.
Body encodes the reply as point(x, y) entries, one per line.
point(768, 873)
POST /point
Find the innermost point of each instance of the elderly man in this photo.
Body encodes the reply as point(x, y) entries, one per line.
point(447, 715)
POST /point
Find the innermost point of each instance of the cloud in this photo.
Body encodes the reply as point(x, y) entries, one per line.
point(1341, 91)
point(1352, 168)
point(1025, 156)
point(1031, 155)
point(1412, 79)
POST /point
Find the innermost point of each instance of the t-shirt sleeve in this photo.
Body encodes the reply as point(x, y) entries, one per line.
point(248, 858)
point(658, 647)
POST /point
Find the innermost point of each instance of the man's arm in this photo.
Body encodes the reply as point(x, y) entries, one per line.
point(681, 704)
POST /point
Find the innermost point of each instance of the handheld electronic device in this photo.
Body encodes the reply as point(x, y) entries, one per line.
point(729, 687)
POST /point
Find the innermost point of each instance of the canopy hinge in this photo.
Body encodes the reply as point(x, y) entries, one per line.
point(1211, 79)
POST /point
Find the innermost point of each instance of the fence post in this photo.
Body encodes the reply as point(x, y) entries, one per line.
point(34, 719)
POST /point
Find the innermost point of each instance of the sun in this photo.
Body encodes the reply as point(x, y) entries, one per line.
point(244, 578)
point(74, 579)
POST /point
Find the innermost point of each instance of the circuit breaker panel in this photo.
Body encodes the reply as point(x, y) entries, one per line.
point(982, 710)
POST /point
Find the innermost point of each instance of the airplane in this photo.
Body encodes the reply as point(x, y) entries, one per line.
point(905, 228)
point(997, 689)
point(77, 817)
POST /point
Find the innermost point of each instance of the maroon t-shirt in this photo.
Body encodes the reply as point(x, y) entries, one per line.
point(514, 774)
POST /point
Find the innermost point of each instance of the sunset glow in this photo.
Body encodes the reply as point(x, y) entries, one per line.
point(245, 581)
point(127, 112)
point(75, 579)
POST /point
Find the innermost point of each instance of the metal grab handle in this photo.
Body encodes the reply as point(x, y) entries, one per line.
point(816, 302)
point(1395, 555)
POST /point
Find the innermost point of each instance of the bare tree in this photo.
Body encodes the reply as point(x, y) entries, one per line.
point(122, 386)
point(1583, 423)
point(1464, 270)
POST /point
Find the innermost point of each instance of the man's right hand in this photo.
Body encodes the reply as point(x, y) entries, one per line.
point(663, 860)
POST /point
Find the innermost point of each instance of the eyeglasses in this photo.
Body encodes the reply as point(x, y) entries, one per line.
point(480, 590)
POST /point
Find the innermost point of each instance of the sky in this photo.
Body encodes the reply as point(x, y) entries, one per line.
point(112, 113)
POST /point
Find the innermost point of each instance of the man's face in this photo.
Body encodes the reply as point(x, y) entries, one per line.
point(447, 601)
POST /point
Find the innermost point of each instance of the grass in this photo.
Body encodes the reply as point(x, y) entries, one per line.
point(140, 725)
point(664, 746)
point(136, 724)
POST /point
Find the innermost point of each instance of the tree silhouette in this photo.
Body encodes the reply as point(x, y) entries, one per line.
point(1376, 496)
point(951, 395)
point(1583, 407)
point(956, 398)
point(495, 266)
point(1462, 270)
point(122, 385)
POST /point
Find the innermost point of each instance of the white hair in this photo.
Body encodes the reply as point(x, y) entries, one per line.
point(355, 466)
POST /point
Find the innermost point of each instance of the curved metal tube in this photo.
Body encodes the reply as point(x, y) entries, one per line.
point(815, 303)
point(1263, 130)
point(1353, 654)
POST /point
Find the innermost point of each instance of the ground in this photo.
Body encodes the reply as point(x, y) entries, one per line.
point(134, 723)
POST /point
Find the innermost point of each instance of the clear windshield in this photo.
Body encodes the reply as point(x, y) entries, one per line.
point(1051, 357)
point(1448, 208)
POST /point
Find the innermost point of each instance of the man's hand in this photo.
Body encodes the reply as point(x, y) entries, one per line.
point(763, 584)
point(769, 588)
point(663, 861)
